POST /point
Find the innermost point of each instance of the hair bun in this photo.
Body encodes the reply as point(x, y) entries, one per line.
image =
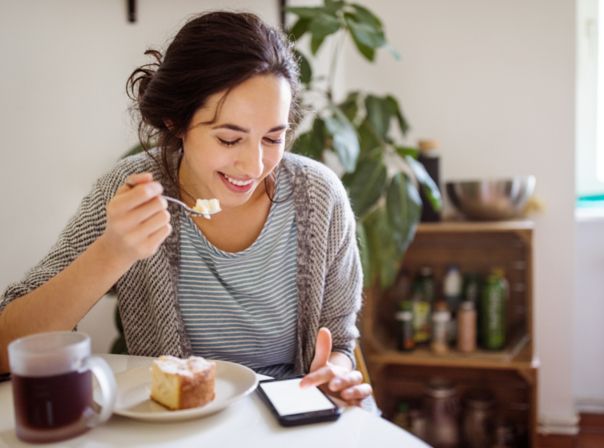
point(141, 77)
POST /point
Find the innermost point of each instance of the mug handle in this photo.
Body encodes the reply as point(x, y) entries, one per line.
point(104, 376)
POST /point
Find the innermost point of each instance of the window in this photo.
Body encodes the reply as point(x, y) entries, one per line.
point(590, 103)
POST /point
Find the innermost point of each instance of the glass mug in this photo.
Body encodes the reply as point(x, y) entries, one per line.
point(51, 374)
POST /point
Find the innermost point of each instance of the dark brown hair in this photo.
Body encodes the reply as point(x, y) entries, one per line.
point(213, 52)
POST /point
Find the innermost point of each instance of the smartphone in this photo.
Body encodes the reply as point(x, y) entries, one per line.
point(293, 406)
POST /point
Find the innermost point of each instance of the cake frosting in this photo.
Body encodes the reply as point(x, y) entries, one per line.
point(182, 383)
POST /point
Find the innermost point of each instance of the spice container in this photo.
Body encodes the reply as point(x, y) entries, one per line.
point(466, 327)
point(440, 328)
point(418, 423)
point(430, 159)
point(493, 311)
point(442, 409)
point(404, 322)
point(422, 298)
point(478, 423)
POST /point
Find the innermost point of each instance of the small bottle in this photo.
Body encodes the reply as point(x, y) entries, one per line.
point(404, 319)
point(401, 418)
point(453, 292)
point(418, 423)
point(466, 327)
point(427, 284)
point(493, 311)
point(440, 328)
point(429, 158)
point(453, 288)
point(423, 294)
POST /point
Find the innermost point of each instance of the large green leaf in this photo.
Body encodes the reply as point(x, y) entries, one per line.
point(403, 206)
point(382, 248)
point(378, 114)
point(302, 144)
point(304, 11)
point(333, 6)
point(405, 151)
point(363, 15)
point(429, 187)
point(394, 110)
point(311, 143)
point(367, 35)
point(367, 138)
point(364, 255)
point(349, 106)
point(305, 68)
point(320, 27)
point(345, 140)
point(366, 185)
point(366, 51)
point(299, 28)
point(318, 136)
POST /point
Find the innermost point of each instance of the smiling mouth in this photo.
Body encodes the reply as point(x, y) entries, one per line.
point(237, 184)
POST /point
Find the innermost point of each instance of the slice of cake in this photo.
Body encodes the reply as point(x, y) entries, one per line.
point(182, 383)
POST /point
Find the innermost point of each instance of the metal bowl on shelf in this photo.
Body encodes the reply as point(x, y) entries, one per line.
point(491, 199)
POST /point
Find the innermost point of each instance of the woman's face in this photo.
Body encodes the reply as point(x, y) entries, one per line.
point(230, 158)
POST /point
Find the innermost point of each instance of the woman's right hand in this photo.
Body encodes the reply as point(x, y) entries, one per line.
point(137, 219)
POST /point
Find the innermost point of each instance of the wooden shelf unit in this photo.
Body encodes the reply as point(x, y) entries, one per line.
point(473, 247)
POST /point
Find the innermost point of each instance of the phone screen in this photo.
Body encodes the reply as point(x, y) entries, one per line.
point(288, 398)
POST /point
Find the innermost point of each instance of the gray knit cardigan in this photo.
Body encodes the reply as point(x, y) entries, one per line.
point(329, 276)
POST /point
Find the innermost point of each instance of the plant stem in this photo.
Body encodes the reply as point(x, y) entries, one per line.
point(332, 67)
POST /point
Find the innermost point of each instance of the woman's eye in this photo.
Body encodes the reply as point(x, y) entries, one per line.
point(228, 142)
point(273, 141)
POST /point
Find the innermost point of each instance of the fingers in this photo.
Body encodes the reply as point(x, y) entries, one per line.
point(345, 385)
point(345, 381)
point(138, 178)
point(137, 218)
point(356, 393)
point(133, 180)
point(148, 209)
point(322, 349)
point(322, 375)
point(133, 197)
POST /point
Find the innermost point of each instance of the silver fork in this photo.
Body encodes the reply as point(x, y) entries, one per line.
point(188, 209)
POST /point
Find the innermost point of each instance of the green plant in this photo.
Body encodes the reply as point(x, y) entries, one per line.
point(379, 172)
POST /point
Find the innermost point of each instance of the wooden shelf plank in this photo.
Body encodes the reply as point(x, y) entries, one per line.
point(474, 226)
point(520, 359)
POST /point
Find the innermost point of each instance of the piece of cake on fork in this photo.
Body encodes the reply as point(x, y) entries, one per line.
point(182, 383)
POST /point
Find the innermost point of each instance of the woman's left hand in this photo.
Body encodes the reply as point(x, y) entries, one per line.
point(333, 378)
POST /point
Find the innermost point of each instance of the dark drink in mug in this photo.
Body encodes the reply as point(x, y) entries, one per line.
point(52, 386)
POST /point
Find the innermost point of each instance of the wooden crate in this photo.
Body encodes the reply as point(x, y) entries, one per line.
point(473, 247)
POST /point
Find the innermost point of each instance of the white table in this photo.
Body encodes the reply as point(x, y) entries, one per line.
point(247, 423)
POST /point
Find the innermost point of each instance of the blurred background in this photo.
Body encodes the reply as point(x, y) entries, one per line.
point(495, 83)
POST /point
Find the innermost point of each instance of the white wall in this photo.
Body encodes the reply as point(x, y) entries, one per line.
point(494, 82)
point(63, 112)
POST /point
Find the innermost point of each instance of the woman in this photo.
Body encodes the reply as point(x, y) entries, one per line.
point(273, 281)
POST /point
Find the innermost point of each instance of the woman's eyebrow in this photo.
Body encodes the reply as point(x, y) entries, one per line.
point(234, 127)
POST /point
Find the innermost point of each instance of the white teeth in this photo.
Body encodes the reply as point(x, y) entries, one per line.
point(239, 183)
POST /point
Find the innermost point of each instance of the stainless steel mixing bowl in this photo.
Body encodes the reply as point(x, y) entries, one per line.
point(491, 200)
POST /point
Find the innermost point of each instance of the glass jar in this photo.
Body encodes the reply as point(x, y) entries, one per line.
point(441, 404)
point(478, 420)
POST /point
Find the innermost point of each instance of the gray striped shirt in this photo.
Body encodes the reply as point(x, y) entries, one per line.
point(242, 306)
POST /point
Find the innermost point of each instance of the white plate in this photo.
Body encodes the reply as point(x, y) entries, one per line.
point(233, 382)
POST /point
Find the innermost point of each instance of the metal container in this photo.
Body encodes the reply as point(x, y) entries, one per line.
point(491, 200)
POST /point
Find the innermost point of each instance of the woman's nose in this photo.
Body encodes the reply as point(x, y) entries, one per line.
point(250, 160)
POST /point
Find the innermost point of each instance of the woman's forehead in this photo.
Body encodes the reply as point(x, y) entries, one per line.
point(257, 100)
